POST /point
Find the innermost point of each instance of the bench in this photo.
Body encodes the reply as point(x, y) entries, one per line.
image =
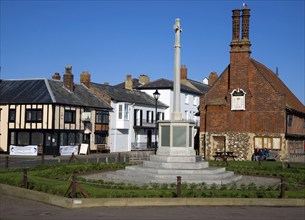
point(102, 148)
point(224, 155)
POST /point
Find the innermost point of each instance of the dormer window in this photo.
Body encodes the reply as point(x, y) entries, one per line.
point(238, 100)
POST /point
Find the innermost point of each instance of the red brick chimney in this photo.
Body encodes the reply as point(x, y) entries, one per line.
point(212, 78)
point(183, 72)
point(245, 23)
point(68, 79)
point(85, 78)
point(240, 50)
point(235, 25)
point(128, 82)
point(56, 76)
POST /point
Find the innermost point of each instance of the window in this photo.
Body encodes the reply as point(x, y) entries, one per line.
point(33, 115)
point(37, 138)
point(304, 123)
point(126, 112)
point(70, 138)
point(150, 116)
point(120, 111)
point(70, 116)
point(100, 137)
point(13, 138)
point(196, 100)
point(23, 138)
point(102, 117)
point(238, 100)
point(12, 115)
point(267, 142)
point(160, 116)
point(289, 120)
point(138, 117)
point(187, 99)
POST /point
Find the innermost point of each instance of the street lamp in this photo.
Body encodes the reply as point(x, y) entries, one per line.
point(156, 96)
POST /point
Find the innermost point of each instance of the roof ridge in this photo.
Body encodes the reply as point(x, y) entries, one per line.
point(50, 90)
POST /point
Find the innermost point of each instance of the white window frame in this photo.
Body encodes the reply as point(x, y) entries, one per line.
point(238, 103)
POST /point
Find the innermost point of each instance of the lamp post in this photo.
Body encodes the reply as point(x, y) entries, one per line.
point(156, 96)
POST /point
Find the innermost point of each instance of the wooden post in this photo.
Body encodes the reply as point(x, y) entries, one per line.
point(25, 178)
point(73, 186)
point(179, 186)
point(282, 187)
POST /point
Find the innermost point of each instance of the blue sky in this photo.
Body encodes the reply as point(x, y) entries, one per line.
point(111, 39)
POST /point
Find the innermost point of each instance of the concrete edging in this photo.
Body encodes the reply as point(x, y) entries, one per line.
point(131, 202)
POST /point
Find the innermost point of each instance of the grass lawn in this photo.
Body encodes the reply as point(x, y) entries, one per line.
point(56, 179)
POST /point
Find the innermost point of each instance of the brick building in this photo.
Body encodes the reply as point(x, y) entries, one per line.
point(249, 107)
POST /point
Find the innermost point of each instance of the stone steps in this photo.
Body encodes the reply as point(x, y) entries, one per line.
point(176, 165)
point(221, 178)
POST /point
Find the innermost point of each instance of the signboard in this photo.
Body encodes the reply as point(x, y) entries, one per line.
point(68, 150)
point(83, 149)
point(30, 150)
point(86, 116)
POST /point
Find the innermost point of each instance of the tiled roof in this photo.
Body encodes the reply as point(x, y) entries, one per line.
point(81, 95)
point(291, 100)
point(44, 91)
point(24, 91)
point(124, 95)
point(188, 86)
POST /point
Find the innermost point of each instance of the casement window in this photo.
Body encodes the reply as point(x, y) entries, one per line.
point(100, 137)
point(102, 117)
point(70, 116)
point(12, 115)
point(23, 138)
point(267, 142)
point(238, 100)
point(36, 138)
point(149, 116)
point(160, 116)
point(123, 112)
point(138, 117)
point(70, 138)
point(33, 115)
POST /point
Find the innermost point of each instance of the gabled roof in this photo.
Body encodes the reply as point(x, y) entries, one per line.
point(24, 91)
point(124, 95)
point(45, 91)
point(187, 86)
point(292, 101)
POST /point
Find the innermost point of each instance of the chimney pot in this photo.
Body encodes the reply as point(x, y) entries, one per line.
point(245, 23)
point(144, 79)
point(128, 82)
point(183, 72)
point(212, 78)
point(236, 25)
point(56, 76)
point(85, 78)
point(68, 79)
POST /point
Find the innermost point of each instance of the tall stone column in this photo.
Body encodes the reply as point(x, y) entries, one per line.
point(176, 114)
